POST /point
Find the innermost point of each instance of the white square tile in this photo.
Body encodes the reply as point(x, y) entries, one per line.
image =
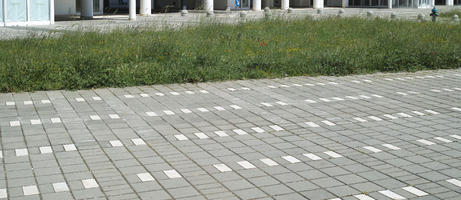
point(45, 150)
point(46, 101)
point(145, 177)
point(138, 141)
point(151, 114)
point(79, 99)
point(3, 194)
point(221, 133)
point(69, 147)
point(60, 187)
point(55, 120)
point(235, 107)
point(246, 164)
point(172, 173)
point(15, 123)
point(181, 137)
point(268, 162)
point(1, 154)
point(415, 191)
point(168, 112)
point(10, 103)
point(202, 109)
point(97, 98)
point(144, 95)
point(291, 159)
point(219, 108)
point(21, 152)
point(258, 130)
point(190, 92)
point(222, 167)
point(276, 128)
point(312, 156)
point(95, 117)
point(204, 91)
point(201, 135)
point(174, 93)
point(333, 154)
point(159, 94)
point(28, 102)
point(129, 96)
point(240, 132)
point(35, 121)
point(116, 143)
point(114, 116)
point(30, 190)
point(185, 110)
point(89, 183)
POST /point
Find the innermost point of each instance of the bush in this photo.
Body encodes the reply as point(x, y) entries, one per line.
point(262, 49)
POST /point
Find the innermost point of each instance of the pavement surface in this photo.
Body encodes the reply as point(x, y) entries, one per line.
point(381, 136)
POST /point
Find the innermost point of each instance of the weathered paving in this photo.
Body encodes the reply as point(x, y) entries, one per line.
point(381, 136)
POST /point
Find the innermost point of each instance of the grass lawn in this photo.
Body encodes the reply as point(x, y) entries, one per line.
point(263, 49)
point(450, 13)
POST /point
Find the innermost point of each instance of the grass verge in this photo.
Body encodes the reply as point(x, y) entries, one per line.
point(263, 49)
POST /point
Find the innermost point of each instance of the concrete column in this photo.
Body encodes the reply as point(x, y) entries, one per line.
point(450, 2)
point(132, 10)
point(86, 9)
point(52, 12)
point(318, 4)
point(257, 5)
point(209, 5)
point(345, 3)
point(285, 4)
point(146, 8)
point(389, 4)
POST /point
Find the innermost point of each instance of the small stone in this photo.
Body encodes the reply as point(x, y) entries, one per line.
point(455, 18)
point(393, 15)
point(420, 17)
point(184, 12)
point(370, 13)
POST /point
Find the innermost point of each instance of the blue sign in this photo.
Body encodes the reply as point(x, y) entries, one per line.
point(237, 3)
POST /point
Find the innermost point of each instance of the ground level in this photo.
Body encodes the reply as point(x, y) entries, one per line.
point(383, 136)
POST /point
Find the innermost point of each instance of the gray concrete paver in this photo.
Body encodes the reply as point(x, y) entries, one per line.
point(310, 162)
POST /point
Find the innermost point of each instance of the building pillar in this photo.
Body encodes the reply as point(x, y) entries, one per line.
point(86, 9)
point(52, 12)
point(145, 8)
point(257, 5)
point(318, 4)
point(389, 4)
point(285, 4)
point(132, 10)
point(450, 2)
point(345, 3)
point(209, 5)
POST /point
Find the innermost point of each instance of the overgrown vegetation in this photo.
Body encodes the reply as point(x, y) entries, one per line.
point(450, 13)
point(263, 49)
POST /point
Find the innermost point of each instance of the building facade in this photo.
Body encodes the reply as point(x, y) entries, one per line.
point(41, 12)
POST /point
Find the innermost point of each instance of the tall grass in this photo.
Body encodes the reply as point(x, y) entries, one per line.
point(262, 49)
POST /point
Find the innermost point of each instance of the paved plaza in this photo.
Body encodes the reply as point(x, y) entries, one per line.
point(381, 136)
